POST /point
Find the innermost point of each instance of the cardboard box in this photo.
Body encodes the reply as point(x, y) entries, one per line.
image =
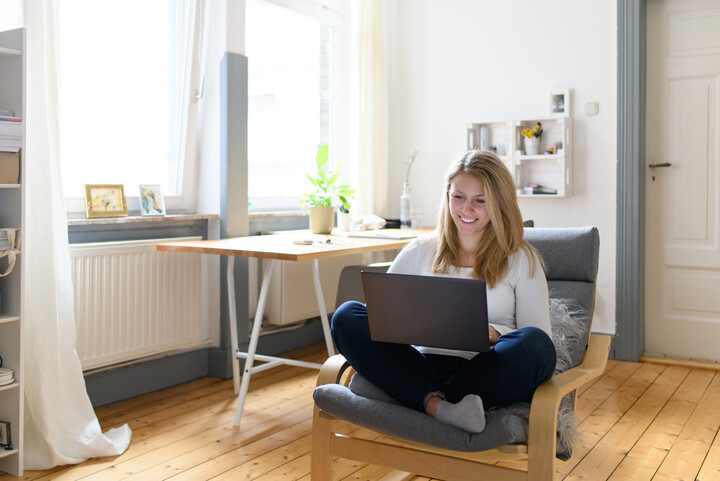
point(9, 167)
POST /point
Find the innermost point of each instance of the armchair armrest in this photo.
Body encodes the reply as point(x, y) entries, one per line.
point(546, 400)
point(591, 367)
point(332, 370)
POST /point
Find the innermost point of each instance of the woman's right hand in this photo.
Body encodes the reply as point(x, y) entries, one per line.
point(493, 335)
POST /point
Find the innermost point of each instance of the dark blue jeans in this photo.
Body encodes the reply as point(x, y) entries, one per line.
point(519, 362)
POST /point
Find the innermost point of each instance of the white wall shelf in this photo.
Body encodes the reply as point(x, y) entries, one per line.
point(12, 199)
point(552, 172)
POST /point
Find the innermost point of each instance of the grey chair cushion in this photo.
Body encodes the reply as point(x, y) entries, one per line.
point(415, 426)
point(570, 254)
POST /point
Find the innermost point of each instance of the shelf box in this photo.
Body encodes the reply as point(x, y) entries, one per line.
point(9, 167)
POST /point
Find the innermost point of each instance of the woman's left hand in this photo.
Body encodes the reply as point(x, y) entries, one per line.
point(493, 335)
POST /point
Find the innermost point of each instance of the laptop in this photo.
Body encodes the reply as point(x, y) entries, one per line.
point(432, 311)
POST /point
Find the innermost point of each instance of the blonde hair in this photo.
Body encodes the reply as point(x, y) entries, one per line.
point(503, 234)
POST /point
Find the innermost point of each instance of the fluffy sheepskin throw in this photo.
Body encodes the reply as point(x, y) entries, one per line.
point(567, 335)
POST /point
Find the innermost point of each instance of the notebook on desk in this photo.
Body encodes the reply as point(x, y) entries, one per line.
point(433, 311)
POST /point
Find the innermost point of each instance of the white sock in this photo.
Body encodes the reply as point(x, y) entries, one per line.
point(362, 387)
point(468, 414)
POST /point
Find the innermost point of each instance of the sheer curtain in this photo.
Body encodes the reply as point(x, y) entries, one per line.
point(60, 424)
point(373, 109)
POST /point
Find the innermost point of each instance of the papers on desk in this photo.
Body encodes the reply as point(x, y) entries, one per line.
point(380, 234)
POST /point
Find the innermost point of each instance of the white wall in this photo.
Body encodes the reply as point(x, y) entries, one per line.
point(458, 61)
point(11, 14)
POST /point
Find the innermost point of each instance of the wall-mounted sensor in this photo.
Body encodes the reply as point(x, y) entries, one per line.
point(591, 108)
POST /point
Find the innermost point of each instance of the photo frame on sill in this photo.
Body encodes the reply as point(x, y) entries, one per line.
point(560, 103)
point(151, 200)
point(105, 200)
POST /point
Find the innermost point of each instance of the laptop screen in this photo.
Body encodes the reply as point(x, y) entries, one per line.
point(433, 311)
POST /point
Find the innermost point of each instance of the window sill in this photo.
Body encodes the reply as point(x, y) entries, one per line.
point(141, 228)
point(287, 213)
point(139, 219)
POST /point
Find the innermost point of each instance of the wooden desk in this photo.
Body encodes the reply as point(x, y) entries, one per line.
point(281, 247)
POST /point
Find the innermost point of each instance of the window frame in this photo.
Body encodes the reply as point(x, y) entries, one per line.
point(186, 200)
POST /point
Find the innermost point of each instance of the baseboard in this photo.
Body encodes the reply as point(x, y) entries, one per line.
point(124, 382)
point(679, 361)
point(144, 377)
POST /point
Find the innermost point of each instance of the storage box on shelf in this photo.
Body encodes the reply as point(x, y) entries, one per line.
point(545, 174)
point(12, 82)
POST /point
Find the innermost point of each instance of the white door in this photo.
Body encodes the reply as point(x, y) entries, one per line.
point(682, 244)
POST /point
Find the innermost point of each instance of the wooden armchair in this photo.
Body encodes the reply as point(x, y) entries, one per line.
point(412, 442)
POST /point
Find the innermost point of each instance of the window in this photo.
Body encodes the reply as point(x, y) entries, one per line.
point(294, 97)
point(123, 90)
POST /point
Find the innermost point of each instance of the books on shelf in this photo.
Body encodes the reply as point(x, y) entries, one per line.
point(11, 131)
point(535, 189)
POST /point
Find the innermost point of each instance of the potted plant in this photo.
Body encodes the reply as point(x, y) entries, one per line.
point(327, 190)
point(532, 139)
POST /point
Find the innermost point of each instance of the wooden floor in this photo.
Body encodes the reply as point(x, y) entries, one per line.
point(639, 421)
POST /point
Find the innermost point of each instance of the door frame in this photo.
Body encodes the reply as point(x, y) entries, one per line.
point(629, 341)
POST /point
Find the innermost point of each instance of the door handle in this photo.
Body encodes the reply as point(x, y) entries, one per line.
point(664, 164)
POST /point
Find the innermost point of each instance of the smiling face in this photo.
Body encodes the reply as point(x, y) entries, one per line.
point(466, 201)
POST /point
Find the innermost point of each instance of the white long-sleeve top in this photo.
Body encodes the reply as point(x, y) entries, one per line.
point(518, 300)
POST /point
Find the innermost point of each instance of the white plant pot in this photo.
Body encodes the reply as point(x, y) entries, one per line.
point(532, 146)
point(321, 219)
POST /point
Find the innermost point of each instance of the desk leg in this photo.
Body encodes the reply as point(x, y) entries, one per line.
point(321, 305)
point(267, 273)
point(232, 316)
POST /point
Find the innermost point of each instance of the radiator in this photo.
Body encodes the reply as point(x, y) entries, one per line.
point(132, 301)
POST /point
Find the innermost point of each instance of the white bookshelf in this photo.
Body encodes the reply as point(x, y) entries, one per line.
point(12, 83)
point(553, 171)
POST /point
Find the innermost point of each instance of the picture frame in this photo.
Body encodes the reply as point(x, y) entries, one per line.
point(560, 103)
point(151, 200)
point(105, 200)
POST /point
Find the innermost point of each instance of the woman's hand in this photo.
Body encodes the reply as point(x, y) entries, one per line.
point(493, 335)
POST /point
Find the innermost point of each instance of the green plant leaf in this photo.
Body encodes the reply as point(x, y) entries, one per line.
point(327, 188)
point(322, 157)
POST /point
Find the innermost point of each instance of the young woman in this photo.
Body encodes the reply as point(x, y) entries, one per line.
point(479, 235)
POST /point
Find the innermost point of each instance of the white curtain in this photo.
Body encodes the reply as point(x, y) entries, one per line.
point(373, 109)
point(60, 424)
